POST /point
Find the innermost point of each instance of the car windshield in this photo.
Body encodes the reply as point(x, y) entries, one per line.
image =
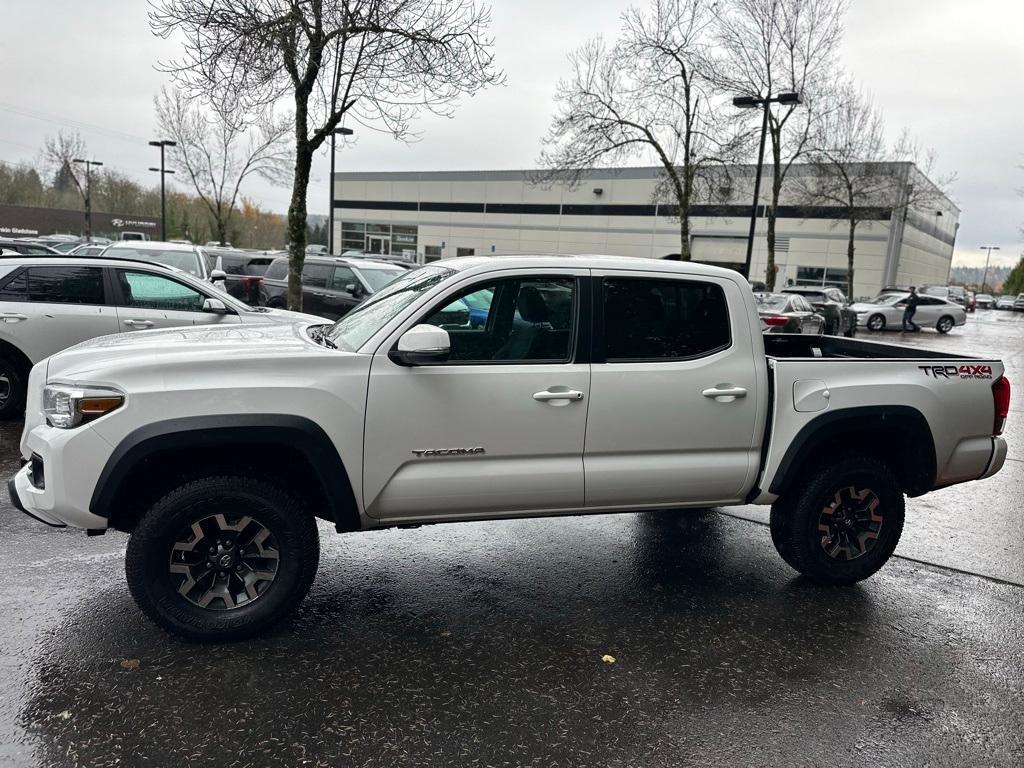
point(887, 298)
point(355, 328)
point(184, 260)
point(378, 277)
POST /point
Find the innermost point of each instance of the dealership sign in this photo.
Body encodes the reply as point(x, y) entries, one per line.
point(26, 221)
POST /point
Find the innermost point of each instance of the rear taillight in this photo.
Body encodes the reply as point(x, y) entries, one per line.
point(1001, 401)
point(774, 321)
point(252, 282)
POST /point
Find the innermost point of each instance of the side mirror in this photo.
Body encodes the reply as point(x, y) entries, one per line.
point(422, 345)
point(218, 276)
point(353, 289)
point(216, 306)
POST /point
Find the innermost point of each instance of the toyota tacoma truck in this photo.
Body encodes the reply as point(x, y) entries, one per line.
point(583, 385)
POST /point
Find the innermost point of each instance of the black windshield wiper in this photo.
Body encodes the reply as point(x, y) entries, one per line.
point(319, 334)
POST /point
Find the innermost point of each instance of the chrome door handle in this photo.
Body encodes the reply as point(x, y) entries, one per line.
point(567, 395)
point(725, 394)
point(139, 323)
point(13, 317)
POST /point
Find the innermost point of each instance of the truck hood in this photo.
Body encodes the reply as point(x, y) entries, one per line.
point(97, 359)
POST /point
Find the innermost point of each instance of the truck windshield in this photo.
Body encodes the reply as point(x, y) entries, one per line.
point(354, 329)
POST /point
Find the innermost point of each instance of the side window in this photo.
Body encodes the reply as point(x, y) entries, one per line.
point(16, 288)
point(316, 275)
point(663, 319)
point(144, 290)
point(63, 285)
point(519, 319)
point(343, 276)
point(278, 270)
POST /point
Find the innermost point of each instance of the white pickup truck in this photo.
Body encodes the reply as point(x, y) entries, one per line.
point(489, 388)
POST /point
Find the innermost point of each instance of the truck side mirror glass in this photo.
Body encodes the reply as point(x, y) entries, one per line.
point(422, 345)
point(216, 306)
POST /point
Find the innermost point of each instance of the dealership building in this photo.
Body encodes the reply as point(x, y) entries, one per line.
point(426, 216)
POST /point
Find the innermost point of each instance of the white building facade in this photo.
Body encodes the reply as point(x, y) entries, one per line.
point(426, 216)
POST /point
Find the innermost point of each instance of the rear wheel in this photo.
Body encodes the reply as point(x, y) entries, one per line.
point(945, 324)
point(843, 524)
point(222, 558)
point(12, 390)
point(876, 323)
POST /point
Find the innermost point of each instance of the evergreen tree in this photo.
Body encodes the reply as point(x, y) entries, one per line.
point(1014, 282)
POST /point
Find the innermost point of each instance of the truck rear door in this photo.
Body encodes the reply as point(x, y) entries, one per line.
point(678, 385)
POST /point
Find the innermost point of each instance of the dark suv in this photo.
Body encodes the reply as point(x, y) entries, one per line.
point(331, 285)
point(244, 272)
point(830, 303)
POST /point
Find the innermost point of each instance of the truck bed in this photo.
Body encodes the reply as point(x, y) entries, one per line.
point(794, 345)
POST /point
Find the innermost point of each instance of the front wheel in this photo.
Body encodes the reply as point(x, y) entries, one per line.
point(841, 525)
point(222, 558)
point(12, 390)
point(876, 323)
point(945, 324)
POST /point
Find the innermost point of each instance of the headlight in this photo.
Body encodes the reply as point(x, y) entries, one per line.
point(66, 406)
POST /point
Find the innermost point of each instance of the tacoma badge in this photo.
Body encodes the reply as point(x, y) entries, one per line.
point(447, 452)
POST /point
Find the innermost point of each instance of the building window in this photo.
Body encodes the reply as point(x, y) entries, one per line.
point(822, 276)
point(431, 252)
point(460, 252)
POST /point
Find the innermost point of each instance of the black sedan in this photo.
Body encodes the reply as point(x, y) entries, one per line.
point(788, 313)
point(831, 304)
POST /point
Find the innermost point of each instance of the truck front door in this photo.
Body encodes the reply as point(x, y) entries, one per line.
point(497, 428)
point(674, 398)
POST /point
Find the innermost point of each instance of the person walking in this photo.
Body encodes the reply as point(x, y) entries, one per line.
point(910, 307)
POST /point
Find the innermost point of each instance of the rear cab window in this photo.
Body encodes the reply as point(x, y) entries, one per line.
point(655, 320)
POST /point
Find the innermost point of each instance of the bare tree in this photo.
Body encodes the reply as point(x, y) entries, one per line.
point(845, 167)
point(59, 154)
point(380, 62)
point(647, 94)
point(776, 46)
point(217, 155)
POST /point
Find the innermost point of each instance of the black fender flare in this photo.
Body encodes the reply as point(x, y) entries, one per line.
point(296, 432)
point(817, 433)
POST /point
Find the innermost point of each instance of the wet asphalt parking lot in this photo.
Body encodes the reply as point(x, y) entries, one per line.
point(481, 644)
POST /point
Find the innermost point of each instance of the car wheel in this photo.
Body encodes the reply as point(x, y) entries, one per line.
point(12, 390)
point(222, 558)
point(843, 523)
point(945, 324)
point(876, 323)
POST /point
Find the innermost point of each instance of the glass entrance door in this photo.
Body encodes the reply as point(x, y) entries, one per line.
point(378, 244)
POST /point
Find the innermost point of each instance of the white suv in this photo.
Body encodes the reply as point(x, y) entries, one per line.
point(184, 256)
point(49, 303)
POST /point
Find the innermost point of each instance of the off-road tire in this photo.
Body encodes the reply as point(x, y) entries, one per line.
point(796, 518)
point(151, 546)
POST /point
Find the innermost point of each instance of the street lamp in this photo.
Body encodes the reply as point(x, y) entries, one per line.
point(752, 102)
point(163, 175)
point(984, 279)
point(89, 164)
point(330, 186)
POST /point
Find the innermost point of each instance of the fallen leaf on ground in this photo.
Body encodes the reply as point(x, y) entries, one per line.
point(608, 659)
point(130, 664)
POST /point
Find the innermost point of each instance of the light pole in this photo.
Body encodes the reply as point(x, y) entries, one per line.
point(88, 193)
point(750, 102)
point(330, 186)
point(162, 143)
point(984, 279)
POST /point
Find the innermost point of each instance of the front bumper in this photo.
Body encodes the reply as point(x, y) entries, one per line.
point(72, 460)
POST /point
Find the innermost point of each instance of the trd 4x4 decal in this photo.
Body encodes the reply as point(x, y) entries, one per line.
point(957, 371)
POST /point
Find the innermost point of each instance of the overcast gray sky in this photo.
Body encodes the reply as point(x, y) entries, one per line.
point(949, 70)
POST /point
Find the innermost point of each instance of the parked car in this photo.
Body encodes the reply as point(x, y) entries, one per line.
point(788, 313)
point(188, 258)
point(217, 449)
point(1018, 303)
point(954, 293)
point(27, 248)
point(244, 271)
point(830, 303)
point(87, 249)
point(48, 303)
point(216, 244)
point(984, 300)
point(133, 236)
point(886, 311)
point(1005, 302)
point(331, 285)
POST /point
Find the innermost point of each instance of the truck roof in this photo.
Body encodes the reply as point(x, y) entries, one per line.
point(583, 261)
